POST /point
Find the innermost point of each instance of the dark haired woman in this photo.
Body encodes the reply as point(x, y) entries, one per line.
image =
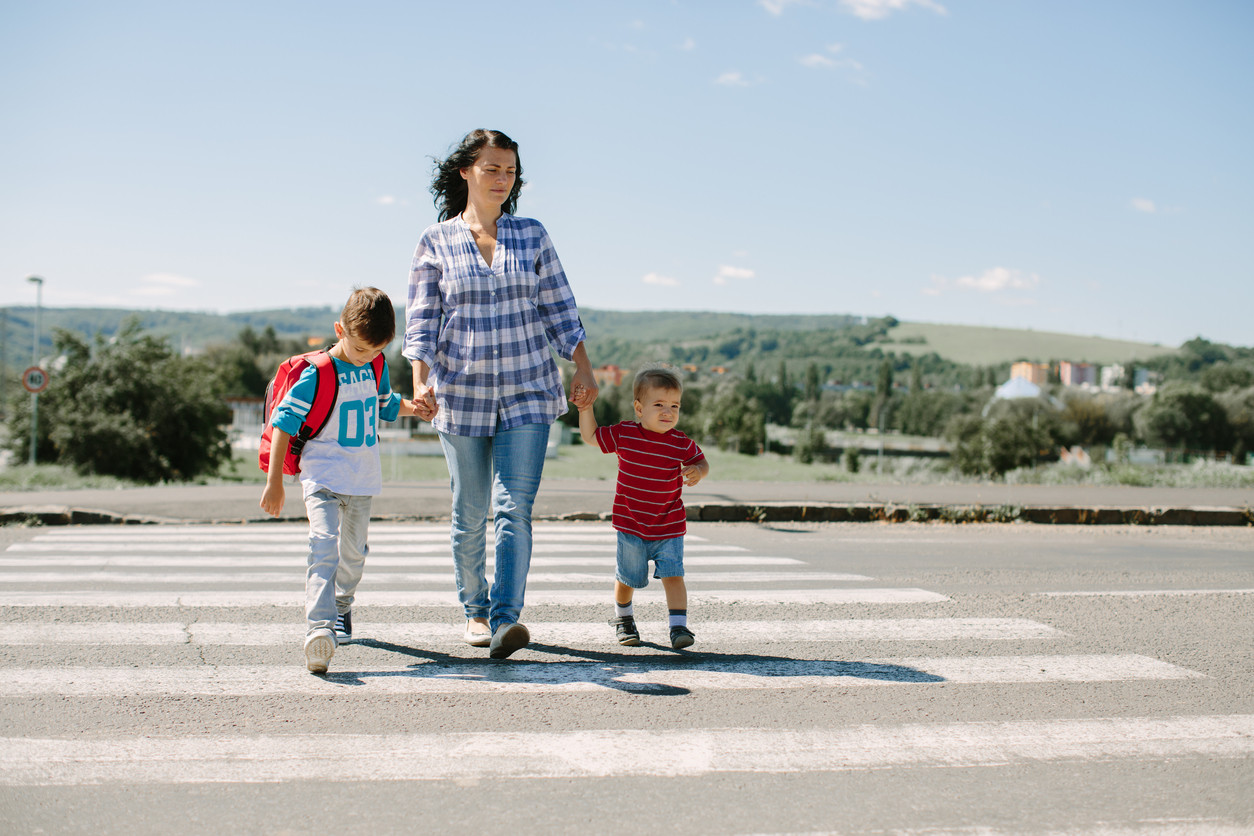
point(487, 299)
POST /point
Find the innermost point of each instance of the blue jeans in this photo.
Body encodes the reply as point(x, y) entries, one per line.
point(337, 554)
point(501, 472)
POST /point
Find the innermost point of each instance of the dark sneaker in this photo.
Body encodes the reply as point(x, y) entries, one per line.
point(625, 629)
point(319, 648)
point(507, 639)
point(344, 627)
point(681, 637)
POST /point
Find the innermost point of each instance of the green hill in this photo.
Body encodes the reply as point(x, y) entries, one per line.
point(630, 337)
point(981, 346)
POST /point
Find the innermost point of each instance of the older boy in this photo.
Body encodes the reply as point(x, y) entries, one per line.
point(339, 467)
point(655, 460)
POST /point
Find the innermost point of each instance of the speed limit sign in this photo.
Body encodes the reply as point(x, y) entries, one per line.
point(35, 379)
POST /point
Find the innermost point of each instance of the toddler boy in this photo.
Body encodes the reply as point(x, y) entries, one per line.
point(655, 460)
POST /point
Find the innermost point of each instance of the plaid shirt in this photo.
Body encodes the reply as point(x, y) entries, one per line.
point(485, 332)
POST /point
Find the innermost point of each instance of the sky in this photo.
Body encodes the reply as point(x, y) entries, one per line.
point(1082, 167)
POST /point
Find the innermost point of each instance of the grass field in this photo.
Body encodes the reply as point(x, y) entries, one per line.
point(990, 346)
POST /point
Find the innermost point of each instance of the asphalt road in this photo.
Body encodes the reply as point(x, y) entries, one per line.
point(847, 678)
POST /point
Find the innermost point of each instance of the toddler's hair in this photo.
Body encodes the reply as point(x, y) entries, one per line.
point(655, 377)
point(369, 316)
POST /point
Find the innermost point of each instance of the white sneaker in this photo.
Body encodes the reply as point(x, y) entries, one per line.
point(319, 648)
point(477, 634)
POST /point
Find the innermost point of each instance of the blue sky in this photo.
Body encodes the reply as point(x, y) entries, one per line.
point(1083, 167)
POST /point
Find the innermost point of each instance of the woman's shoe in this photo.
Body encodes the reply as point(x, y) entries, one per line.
point(477, 634)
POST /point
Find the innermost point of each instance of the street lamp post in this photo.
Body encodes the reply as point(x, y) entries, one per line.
point(34, 403)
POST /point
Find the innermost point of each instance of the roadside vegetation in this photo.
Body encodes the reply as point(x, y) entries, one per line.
point(818, 398)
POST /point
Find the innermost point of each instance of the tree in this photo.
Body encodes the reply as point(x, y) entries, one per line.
point(812, 389)
point(1184, 417)
point(130, 407)
point(1239, 406)
point(883, 391)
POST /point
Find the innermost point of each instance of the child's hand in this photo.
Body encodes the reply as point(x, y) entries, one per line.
point(582, 395)
point(272, 499)
point(692, 475)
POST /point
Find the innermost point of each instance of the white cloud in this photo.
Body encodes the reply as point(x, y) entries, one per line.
point(994, 280)
point(732, 79)
point(660, 280)
point(880, 9)
point(1143, 204)
point(688, 44)
point(726, 272)
point(818, 61)
point(385, 200)
point(776, 7)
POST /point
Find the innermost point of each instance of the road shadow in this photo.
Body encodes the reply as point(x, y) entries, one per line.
point(621, 670)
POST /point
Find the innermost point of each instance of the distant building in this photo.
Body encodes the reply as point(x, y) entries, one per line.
point(610, 374)
point(1077, 374)
point(1037, 373)
point(1146, 381)
point(1112, 376)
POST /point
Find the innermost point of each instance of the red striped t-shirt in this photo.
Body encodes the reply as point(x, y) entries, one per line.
point(647, 500)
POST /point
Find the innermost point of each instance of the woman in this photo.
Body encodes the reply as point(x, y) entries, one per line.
point(487, 299)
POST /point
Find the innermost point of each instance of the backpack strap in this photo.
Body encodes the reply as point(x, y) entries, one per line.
point(326, 388)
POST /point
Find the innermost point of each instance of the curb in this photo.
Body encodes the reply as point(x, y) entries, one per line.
point(754, 513)
point(1045, 515)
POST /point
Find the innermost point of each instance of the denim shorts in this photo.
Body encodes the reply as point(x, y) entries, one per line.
point(634, 555)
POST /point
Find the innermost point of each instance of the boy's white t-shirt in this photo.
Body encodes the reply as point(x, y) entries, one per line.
point(344, 457)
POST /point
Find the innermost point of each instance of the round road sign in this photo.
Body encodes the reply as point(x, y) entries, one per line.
point(35, 379)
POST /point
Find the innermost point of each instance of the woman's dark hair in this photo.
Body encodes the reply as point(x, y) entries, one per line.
point(448, 186)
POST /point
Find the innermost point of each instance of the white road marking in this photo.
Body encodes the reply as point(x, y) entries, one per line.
point(444, 634)
point(425, 598)
point(288, 531)
point(496, 755)
point(301, 547)
point(533, 578)
point(1141, 593)
point(580, 677)
point(297, 562)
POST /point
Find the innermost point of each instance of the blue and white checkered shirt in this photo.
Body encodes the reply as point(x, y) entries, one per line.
point(485, 332)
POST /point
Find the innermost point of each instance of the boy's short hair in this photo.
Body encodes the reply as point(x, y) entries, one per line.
point(369, 316)
point(655, 377)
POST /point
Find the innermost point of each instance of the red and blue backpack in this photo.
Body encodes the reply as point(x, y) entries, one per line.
point(326, 389)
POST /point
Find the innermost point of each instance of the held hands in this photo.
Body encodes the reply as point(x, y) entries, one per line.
point(424, 404)
point(583, 390)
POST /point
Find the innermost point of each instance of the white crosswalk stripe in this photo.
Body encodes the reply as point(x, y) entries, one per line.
point(439, 634)
point(574, 677)
point(238, 592)
point(628, 752)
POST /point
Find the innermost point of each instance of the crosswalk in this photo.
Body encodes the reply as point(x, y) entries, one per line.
point(176, 613)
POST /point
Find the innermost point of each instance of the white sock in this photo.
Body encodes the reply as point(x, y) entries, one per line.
point(621, 611)
point(678, 618)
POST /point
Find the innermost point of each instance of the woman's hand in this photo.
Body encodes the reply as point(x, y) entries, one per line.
point(425, 405)
point(583, 389)
point(583, 384)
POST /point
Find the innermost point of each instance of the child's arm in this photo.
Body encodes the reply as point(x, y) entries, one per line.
point(274, 495)
point(694, 473)
point(587, 422)
point(407, 408)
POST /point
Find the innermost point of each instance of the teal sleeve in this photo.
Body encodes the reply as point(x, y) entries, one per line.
point(290, 414)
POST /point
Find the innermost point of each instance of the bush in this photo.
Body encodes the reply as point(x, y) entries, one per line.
point(131, 408)
point(1184, 417)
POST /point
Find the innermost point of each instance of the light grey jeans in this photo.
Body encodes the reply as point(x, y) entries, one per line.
point(337, 554)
